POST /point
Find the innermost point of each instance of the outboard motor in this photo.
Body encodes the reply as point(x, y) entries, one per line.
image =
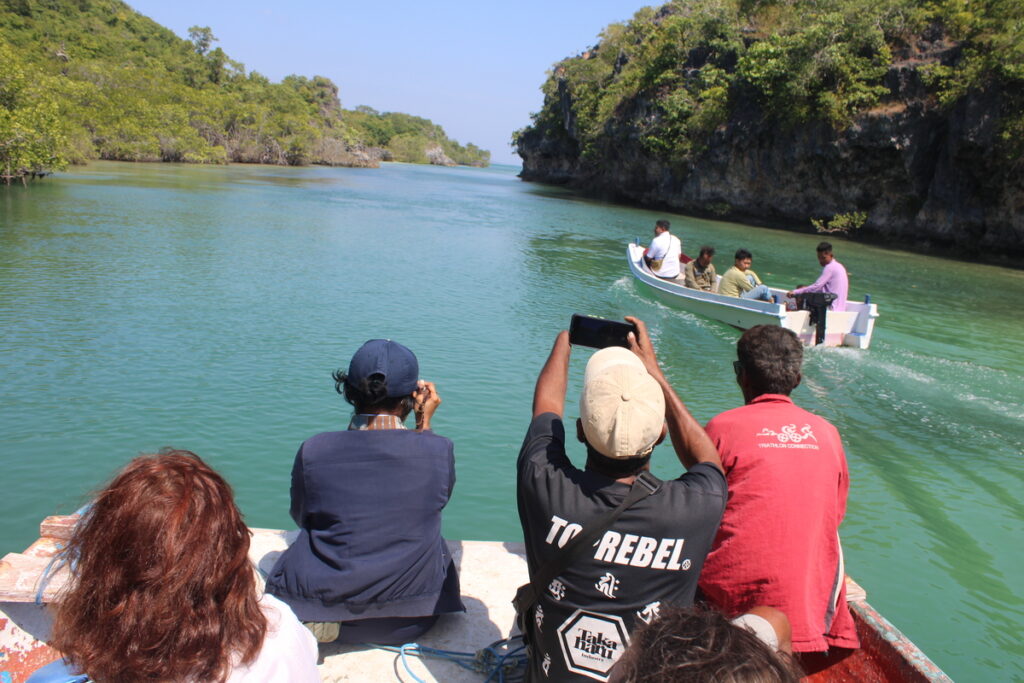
point(817, 303)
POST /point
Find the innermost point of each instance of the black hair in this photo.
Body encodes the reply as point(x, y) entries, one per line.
point(616, 468)
point(743, 253)
point(701, 644)
point(771, 357)
point(824, 247)
point(371, 396)
point(662, 224)
point(706, 249)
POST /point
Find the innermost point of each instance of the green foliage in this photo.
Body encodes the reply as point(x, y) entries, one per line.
point(670, 77)
point(992, 35)
point(31, 138)
point(407, 138)
point(829, 70)
point(409, 147)
point(111, 83)
point(841, 222)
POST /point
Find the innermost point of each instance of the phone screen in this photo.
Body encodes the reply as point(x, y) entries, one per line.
point(598, 333)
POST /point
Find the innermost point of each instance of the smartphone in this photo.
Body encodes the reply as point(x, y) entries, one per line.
point(585, 330)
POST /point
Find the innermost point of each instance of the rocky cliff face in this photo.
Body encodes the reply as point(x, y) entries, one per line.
point(925, 176)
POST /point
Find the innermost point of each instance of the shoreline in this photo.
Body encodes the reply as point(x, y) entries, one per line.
point(1005, 259)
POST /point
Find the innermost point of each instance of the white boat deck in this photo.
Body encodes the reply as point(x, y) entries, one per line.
point(489, 572)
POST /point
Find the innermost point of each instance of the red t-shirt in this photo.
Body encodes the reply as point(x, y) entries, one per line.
point(778, 544)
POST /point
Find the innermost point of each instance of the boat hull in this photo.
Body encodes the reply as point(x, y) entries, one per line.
point(853, 327)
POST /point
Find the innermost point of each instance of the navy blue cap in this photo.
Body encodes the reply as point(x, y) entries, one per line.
point(397, 363)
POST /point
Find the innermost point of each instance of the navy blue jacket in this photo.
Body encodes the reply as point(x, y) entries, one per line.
point(368, 506)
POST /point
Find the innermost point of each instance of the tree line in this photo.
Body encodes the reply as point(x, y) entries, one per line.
point(672, 75)
point(85, 79)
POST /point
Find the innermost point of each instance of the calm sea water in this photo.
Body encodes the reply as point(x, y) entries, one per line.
point(151, 305)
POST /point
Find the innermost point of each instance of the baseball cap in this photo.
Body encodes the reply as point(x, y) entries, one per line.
point(622, 407)
point(397, 363)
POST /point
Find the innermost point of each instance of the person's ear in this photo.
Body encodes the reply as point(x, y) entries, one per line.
point(664, 433)
point(579, 431)
point(798, 378)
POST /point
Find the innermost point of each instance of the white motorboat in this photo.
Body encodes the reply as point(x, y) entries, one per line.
point(852, 327)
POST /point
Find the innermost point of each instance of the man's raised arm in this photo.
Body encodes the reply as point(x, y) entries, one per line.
point(549, 395)
point(691, 443)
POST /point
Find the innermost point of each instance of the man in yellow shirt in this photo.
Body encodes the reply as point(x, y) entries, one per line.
point(743, 282)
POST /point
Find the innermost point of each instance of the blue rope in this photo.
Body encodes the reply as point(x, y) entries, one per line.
point(57, 558)
point(45, 578)
point(499, 661)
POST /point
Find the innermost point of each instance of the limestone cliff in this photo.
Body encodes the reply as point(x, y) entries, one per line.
point(926, 175)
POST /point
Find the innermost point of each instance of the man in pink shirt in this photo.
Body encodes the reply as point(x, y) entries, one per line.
point(832, 280)
point(778, 544)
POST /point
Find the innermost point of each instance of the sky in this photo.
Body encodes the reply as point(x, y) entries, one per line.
point(474, 67)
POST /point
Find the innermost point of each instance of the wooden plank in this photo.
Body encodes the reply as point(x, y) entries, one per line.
point(854, 592)
point(58, 526)
point(20, 576)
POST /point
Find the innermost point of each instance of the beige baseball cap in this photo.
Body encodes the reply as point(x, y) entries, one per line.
point(622, 407)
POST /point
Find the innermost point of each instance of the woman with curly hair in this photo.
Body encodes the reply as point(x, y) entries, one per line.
point(162, 588)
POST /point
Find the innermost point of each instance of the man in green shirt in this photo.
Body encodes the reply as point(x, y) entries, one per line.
point(743, 282)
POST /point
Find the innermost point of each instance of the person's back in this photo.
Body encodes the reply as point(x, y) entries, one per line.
point(664, 252)
point(651, 556)
point(778, 543)
point(369, 564)
point(371, 501)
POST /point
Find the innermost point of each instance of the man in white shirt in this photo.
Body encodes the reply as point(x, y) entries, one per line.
point(663, 255)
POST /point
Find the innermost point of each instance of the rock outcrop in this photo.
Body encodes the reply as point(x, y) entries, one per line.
point(437, 157)
point(927, 176)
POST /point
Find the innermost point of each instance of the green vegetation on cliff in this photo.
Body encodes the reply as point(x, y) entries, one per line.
point(671, 76)
point(81, 79)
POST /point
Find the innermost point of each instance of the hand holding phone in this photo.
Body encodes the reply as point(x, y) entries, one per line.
point(425, 402)
point(598, 333)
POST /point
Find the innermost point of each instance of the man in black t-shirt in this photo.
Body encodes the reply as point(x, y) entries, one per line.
point(652, 555)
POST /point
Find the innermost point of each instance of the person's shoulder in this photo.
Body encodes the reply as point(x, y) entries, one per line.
point(427, 439)
point(712, 477)
point(544, 445)
point(728, 415)
point(546, 423)
point(323, 439)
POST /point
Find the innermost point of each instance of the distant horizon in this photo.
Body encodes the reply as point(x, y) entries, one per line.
point(475, 71)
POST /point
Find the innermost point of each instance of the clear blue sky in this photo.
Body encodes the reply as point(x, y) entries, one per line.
point(475, 68)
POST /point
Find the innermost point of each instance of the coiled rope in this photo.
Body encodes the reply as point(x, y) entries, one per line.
point(503, 661)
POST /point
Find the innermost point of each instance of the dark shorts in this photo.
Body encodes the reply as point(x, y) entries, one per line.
point(386, 631)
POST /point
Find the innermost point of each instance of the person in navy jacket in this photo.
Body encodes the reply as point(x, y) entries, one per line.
point(369, 564)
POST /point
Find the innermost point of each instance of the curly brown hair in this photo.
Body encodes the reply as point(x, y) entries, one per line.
point(697, 644)
point(162, 588)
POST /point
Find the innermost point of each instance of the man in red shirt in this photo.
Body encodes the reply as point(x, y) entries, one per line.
point(778, 543)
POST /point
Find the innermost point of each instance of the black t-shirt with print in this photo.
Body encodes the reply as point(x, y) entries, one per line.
point(651, 556)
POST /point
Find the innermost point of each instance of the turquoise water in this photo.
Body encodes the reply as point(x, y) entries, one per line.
point(152, 305)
